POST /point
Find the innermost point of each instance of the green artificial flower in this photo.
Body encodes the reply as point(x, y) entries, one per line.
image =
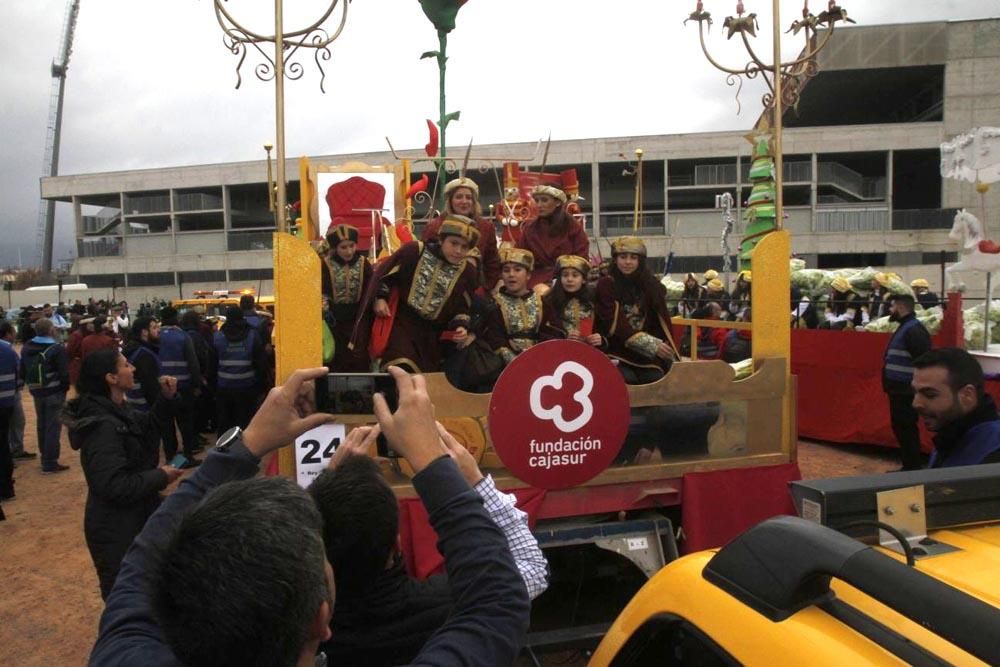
point(442, 13)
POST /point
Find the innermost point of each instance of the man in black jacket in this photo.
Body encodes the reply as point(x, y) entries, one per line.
point(908, 342)
point(257, 589)
point(142, 353)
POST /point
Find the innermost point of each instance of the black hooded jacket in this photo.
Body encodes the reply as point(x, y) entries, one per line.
point(119, 453)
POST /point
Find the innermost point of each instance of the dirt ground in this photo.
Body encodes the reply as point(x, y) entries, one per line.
point(51, 605)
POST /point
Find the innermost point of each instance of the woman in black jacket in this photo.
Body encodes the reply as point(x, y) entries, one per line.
point(119, 452)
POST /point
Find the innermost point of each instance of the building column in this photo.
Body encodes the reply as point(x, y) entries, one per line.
point(78, 225)
point(813, 190)
point(125, 236)
point(889, 178)
point(595, 187)
point(227, 225)
point(666, 199)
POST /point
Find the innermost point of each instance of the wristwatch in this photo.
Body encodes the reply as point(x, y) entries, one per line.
point(227, 439)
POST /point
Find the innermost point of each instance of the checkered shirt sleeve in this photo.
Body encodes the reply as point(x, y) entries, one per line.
point(524, 547)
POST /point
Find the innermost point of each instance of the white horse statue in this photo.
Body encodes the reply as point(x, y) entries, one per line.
point(967, 230)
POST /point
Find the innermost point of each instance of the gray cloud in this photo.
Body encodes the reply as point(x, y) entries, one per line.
point(151, 85)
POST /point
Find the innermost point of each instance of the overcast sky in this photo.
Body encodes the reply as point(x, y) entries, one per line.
point(151, 85)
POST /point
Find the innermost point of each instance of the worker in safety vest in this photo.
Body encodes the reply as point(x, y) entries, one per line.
point(178, 359)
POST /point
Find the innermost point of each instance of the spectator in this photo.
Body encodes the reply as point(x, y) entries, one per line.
point(242, 365)
point(9, 381)
point(951, 399)
point(102, 338)
point(382, 616)
point(119, 451)
point(45, 369)
point(15, 432)
point(179, 359)
point(260, 542)
point(141, 351)
point(908, 342)
point(74, 346)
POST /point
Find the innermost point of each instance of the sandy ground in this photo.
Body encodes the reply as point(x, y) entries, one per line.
point(50, 605)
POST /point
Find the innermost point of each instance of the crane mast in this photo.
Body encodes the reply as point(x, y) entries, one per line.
point(50, 163)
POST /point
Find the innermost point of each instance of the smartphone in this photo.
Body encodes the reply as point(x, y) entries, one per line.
point(178, 461)
point(352, 394)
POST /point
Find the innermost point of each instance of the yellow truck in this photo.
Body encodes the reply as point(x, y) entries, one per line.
point(214, 303)
point(896, 569)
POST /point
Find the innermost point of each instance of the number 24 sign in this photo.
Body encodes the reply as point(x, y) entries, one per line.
point(313, 450)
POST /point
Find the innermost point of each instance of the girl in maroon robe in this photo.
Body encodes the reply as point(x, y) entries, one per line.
point(346, 274)
point(435, 283)
point(632, 314)
point(553, 233)
point(462, 198)
point(569, 305)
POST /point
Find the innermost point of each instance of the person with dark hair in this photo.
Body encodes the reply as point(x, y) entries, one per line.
point(345, 277)
point(142, 352)
point(512, 324)
point(737, 345)
point(179, 360)
point(74, 346)
point(552, 233)
point(15, 432)
point(239, 379)
point(237, 574)
point(249, 307)
point(45, 369)
point(925, 297)
point(950, 397)
point(9, 389)
point(119, 452)
point(383, 616)
point(739, 300)
point(102, 338)
point(691, 297)
point(434, 283)
point(632, 315)
point(845, 309)
point(907, 343)
point(462, 198)
point(193, 325)
point(569, 305)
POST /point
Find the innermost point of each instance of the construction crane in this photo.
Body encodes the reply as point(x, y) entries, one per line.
point(50, 164)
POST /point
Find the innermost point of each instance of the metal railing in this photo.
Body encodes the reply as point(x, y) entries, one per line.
point(620, 223)
point(852, 220)
point(237, 241)
point(137, 204)
point(196, 201)
point(864, 187)
point(106, 246)
point(923, 218)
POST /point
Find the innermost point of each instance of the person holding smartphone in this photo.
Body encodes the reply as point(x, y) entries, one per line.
point(119, 452)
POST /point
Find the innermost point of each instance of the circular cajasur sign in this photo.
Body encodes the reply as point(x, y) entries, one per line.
point(559, 414)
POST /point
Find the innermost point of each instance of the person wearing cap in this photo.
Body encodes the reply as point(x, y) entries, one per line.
point(513, 325)
point(845, 309)
point(715, 292)
point(462, 198)
point(922, 291)
point(692, 298)
point(346, 274)
point(435, 283)
point(632, 315)
point(569, 305)
point(553, 232)
point(103, 337)
point(910, 341)
point(878, 305)
point(739, 300)
point(708, 277)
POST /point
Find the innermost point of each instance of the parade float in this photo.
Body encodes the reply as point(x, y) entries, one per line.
point(555, 431)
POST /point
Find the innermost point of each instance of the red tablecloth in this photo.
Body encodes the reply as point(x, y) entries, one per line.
point(840, 387)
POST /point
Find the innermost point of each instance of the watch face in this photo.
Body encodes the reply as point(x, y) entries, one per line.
point(226, 438)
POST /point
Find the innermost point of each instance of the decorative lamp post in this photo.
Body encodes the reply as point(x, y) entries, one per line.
point(281, 65)
point(785, 81)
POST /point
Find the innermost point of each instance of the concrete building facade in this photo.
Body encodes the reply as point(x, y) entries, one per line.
point(862, 181)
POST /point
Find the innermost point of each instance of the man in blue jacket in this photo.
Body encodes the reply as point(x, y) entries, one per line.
point(9, 363)
point(238, 575)
point(907, 343)
point(951, 399)
point(45, 369)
